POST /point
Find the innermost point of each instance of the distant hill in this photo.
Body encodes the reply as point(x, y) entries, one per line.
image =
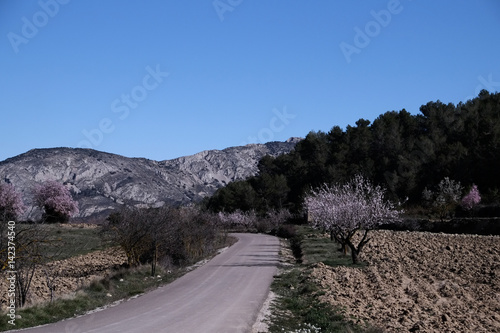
point(102, 181)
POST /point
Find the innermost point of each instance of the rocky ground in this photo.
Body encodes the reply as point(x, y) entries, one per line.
point(420, 282)
point(69, 274)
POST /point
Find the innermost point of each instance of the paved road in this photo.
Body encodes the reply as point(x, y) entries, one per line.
point(224, 295)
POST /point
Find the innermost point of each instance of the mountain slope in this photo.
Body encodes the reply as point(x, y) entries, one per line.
point(102, 181)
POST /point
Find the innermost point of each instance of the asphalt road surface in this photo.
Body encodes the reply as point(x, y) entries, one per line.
point(224, 295)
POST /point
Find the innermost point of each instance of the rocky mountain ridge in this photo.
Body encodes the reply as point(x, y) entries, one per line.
point(102, 181)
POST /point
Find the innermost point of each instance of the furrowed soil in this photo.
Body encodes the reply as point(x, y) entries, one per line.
point(69, 274)
point(419, 282)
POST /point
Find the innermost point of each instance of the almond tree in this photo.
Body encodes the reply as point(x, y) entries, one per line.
point(29, 256)
point(11, 207)
point(276, 218)
point(239, 218)
point(11, 204)
point(445, 198)
point(471, 199)
point(56, 201)
point(30, 240)
point(343, 210)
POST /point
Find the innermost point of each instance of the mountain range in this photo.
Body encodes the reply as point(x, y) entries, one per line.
point(101, 182)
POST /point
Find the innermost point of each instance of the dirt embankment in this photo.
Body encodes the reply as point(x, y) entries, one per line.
point(420, 282)
point(70, 274)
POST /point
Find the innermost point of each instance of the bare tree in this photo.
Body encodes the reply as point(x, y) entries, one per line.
point(30, 255)
point(150, 235)
point(127, 229)
point(50, 281)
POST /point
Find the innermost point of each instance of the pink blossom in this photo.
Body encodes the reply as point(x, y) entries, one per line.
point(54, 197)
point(471, 199)
point(355, 205)
point(239, 218)
point(342, 210)
point(11, 204)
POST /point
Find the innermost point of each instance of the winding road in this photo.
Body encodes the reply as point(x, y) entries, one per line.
point(224, 295)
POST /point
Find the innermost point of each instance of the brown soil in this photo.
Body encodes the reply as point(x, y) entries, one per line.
point(420, 282)
point(70, 274)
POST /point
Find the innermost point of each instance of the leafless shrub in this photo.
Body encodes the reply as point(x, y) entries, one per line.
point(172, 235)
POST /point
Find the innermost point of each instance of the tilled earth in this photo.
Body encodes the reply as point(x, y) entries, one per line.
point(420, 282)
point(68, 275)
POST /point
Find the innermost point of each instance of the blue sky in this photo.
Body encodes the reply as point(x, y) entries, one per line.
point(163, 79)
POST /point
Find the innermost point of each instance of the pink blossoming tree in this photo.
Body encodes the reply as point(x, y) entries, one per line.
point(471, 199)
point(239, 218)
point(11, 204)
point(56, 201)
point(343, 210)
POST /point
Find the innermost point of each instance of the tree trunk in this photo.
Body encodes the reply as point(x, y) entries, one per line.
point(354, 254)
point(23, 281)
point(356, 250)
point(50, 284)
point(341, 241)
point(153, 261)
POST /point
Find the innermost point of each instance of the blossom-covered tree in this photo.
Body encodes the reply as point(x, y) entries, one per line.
point(276, 218)
point(56, 201)
point(11, 204)
point(445, 198)
point(343, 210)
point(239, 218)
point(471, 199)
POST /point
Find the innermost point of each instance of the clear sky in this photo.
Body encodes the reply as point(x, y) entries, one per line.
point(162, 78)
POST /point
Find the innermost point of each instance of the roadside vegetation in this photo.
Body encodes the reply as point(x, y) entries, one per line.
point(297, 307)
point(123, 284)
point(160, 245)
